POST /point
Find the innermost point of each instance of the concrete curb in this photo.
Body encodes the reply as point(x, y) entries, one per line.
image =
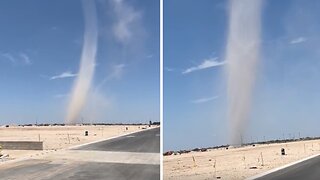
point(24, 158)
point(282, 167)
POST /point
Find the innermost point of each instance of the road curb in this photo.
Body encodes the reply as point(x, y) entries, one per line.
point(282, 167)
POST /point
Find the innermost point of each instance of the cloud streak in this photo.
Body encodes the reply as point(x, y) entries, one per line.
point(203, 100)
point(207, 63)
point(117, 71)
point(17, 58)
point(25, 58)
point(60, 96)
point(168, 69)
point(126, 18)
point(149, 56)
point(63, 75)
point(9, 57)
point(298, 40)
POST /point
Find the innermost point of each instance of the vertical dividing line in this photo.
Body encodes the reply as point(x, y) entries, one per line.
point(161, 89)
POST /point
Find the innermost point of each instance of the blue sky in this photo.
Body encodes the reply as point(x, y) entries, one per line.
point(287, 91)
point(40, 50)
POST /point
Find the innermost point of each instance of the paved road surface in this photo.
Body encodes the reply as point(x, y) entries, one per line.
point(306, 170)
point(145, 141)
point(135, 156)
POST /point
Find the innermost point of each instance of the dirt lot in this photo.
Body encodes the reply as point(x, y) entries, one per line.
point(236, 163)
point(59, 137)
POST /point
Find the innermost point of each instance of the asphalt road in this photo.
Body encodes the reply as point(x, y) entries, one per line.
point(306, 170)
point(135, 157)
point(145, 141)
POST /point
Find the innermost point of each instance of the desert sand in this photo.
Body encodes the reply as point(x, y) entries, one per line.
point(236, 163)
point(60, 137)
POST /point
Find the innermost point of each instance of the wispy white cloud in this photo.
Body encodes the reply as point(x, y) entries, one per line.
point(17, 58)
point(117, 71)
point(168, 69)
point(66, 74)
point(203, 100)
point(298, 40)
point(54, 28)
point(149, 56)
point(207, 63)
point(126, 17)
point(25, 58)
point(9, 57)
point(60, 95)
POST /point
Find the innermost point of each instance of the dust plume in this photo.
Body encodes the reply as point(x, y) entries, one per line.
point(87, 65)
point(242, 55)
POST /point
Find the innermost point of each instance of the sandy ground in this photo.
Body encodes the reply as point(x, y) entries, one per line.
point(59, 137)
point(236, 163)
